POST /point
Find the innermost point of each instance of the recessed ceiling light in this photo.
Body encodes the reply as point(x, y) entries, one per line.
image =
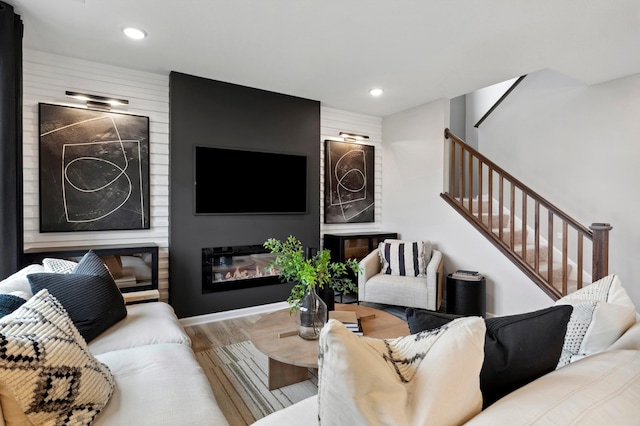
point(134, 33)
point(375, 92)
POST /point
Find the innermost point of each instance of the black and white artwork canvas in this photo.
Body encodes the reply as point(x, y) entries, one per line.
point(349, 183)
point(94, 170)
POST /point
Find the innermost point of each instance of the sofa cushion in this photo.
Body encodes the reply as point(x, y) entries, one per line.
point(9, 303)
point(430, 377)
point(89, 295)
point(395, 290)
point(517, 349)
point(602, 389)
point(19, 281)
point(47, 372)
point(403, 258)
point(159, 384)
point(145, 324)
point(602, 312)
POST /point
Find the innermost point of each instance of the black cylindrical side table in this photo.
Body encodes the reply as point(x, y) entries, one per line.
point(465, 297)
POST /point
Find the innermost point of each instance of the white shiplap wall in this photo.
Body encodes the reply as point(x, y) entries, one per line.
point(332, 122)
point(46, 78)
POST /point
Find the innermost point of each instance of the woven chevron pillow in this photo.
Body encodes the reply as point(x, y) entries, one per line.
point(432, 377)
point(47, 373)
point(89, 295)
point(602, 312)
point(404, 258)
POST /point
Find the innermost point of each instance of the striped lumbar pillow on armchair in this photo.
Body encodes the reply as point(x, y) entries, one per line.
point(404, 258)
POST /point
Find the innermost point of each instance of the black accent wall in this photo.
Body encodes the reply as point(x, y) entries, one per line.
point(213, 113)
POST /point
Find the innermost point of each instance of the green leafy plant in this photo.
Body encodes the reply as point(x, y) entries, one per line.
point(308, 273)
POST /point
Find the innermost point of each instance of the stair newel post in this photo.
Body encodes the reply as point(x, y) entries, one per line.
point(600, 267)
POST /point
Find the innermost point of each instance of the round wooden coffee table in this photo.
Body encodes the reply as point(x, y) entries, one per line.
point(290, 356)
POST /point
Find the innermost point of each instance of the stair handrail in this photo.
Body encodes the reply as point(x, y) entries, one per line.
point(597, 233)
point(578, 226)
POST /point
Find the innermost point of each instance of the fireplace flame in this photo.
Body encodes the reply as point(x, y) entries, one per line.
point(257, 271)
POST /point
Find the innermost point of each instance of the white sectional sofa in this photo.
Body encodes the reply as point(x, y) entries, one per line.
point(602, 389)
point(158, 380)
point(155, 378)
point(600, 386)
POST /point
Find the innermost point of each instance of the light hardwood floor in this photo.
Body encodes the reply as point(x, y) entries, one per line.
point(222, 333)
point(213, 335)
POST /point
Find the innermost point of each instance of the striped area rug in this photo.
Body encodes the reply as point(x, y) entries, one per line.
point(245, 368)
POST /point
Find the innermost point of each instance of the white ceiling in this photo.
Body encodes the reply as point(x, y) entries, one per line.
point(334, 51)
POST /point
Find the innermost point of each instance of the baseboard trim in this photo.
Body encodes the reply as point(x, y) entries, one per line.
point(235, 313)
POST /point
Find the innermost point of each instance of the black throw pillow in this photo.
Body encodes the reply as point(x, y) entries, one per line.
point(9, 303)
point(420, 320)
point(88, 294)
point(517, 349)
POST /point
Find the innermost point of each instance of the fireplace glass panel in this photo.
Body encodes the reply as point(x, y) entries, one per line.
point(235, 267)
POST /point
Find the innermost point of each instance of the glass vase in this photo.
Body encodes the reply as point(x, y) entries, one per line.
point(311, 315)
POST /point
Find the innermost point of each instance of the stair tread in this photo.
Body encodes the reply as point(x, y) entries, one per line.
point(530, 249)
point(556, 265)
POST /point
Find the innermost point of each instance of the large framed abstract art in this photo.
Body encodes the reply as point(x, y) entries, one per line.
point(349, 183)
point(94, 170)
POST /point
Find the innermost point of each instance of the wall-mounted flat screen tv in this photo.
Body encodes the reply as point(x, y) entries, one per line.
point(233, 181)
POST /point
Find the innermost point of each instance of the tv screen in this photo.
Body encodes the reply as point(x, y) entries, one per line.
point(232, 181)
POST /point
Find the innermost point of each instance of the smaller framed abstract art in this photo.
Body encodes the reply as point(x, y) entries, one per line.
point(94, 170)
point(349, 183)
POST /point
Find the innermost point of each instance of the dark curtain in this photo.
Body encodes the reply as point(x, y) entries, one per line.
point(11, 224)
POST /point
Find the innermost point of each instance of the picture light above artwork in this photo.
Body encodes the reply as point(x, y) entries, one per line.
point(352, 137)
point(96, 101)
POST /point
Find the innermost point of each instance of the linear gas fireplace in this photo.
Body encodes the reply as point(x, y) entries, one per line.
point(236, 267)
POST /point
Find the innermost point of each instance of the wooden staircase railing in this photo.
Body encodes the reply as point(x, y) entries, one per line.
point(484, 193)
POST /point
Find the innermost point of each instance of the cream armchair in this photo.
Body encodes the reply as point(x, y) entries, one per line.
point(408, 291)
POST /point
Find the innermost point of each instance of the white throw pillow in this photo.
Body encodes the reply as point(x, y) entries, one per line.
point(432, 377)
point(58, 266)
point(47, 374)
point(19, 281)
point(602, 312)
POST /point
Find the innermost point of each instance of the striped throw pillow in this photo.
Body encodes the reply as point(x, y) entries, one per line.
point(403, 258)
